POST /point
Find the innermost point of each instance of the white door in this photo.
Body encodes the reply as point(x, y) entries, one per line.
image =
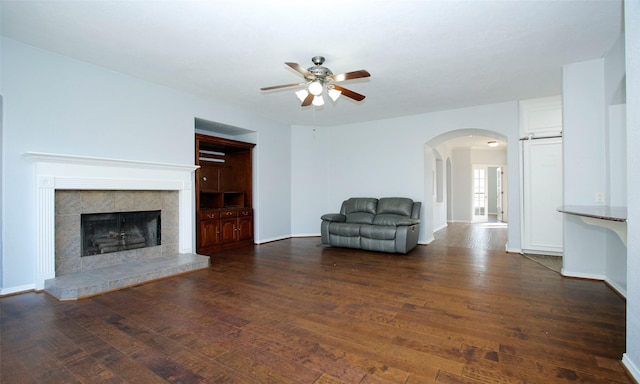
point(542, 195)
point(479, 185)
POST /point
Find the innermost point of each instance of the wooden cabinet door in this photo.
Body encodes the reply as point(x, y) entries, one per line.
point(228, 230)
point(245, 228)
point(209, 231)
point(209, 178)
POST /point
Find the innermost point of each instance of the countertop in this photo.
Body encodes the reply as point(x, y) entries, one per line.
point(603, 212)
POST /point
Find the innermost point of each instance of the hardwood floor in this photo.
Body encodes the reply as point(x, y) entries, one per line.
point(487, 236)
point(293, 311)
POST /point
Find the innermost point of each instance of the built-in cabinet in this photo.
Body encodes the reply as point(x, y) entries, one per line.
point(542, 175)
point(223, 194)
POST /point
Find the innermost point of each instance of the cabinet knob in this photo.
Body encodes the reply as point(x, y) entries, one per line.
point(204, 178)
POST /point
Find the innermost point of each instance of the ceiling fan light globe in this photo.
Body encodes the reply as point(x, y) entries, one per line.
point(318, 101)
point(334, 94)
point(315, 88)
point(302, 94)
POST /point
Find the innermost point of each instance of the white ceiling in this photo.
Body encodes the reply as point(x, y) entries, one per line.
point(423, 56)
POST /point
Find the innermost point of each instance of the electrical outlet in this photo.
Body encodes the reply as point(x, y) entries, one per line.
point(599, 197)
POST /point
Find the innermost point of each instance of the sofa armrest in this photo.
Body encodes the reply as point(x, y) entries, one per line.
point(337, 217)
point(415, 212)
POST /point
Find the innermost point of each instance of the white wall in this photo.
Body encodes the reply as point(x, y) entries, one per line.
point(617, 156)
point(1, 180)
point(616, 139)
point(461, 180)
point(584, 165)
point(631, 358)
point(54, 104)
point(595, 161)
point(310, 175)
point(616, 252)
point(440, 213)
point(387, 158)
point(272, 195)
point(488, 157)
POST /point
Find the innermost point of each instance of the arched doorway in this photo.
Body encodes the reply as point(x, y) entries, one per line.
point(450, 161)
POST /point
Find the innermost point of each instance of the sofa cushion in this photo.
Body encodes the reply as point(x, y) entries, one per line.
point(345, 241)
point(395, 205)
point(359, 218)
point(360, 204)
point(344, 229)
point(380, 232)
point(378, 245)
point(394, 220)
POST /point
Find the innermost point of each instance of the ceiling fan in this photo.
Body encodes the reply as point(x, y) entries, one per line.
point(319, 79)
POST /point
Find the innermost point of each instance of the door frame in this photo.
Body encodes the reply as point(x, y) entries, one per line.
point(502, 214)
point(485, 216)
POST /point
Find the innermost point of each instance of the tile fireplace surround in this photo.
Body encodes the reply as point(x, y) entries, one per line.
point(76, 173)
point(70, 205)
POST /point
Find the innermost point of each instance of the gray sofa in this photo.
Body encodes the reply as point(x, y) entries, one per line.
point(389, 224)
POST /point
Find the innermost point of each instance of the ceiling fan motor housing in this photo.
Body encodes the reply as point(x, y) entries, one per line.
point(318, 70)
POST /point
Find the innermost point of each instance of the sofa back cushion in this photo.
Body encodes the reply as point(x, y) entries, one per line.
point(395, 205)
point(359, 209)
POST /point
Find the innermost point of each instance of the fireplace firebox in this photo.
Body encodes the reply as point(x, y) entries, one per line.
point(119, 231)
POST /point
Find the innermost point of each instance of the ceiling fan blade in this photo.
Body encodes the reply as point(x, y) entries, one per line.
point(349, 93)
point(299, 68)
point(307, 101)
point(350, 75)
point(281, 86)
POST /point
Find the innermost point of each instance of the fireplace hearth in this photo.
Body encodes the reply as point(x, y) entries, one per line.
point(119, 231)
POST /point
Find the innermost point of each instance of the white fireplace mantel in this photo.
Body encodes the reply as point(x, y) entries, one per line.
point(54, 171)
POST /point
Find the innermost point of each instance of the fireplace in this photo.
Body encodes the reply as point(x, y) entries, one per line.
point(97, 176)
point(102, 233)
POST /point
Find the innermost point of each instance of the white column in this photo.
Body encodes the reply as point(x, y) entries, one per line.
point(185, 241)
point(45, 258)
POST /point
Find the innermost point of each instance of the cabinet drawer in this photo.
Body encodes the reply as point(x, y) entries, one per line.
point(207, 215)
point(225, 214)
point(245, 212)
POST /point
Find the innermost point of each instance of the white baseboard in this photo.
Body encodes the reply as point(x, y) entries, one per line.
point(306, 235)
point(616, 287)
point(591, 276)
point(580, 275)
point(427, 241)
point(18, 289)
point(440, 227)
point(631, 367)
point(542, 252)
point(263, 241)
point(512, 250)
